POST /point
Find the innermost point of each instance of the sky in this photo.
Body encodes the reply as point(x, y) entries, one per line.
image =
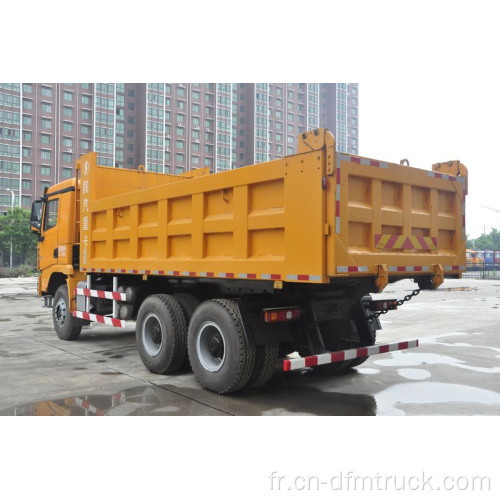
point(438, 120)
point(428, 70)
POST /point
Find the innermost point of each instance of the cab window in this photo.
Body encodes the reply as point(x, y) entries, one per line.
point(51, 210)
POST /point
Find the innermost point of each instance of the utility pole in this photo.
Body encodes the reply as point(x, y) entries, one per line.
point(11, 214)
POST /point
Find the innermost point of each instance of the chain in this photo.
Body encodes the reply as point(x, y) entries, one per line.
point(400, 302)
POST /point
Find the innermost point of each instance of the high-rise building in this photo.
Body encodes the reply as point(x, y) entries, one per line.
point(168, 127)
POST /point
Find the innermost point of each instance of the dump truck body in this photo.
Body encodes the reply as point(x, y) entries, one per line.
point(305, 218)
point(294, 246)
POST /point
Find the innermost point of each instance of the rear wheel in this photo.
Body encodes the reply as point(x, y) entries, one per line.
point(188, 303)
point(66, 325)
point(265, 363)
point(161, 334)
point(220, 356)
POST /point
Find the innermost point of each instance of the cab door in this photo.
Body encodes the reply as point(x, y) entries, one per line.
point(49, 232)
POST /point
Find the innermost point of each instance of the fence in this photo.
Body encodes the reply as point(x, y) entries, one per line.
point(482, 275)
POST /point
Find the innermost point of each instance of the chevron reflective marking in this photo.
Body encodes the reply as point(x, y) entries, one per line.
point(332, 357)
point(402, 242)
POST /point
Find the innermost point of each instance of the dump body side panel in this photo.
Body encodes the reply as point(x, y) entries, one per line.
point(265, 221)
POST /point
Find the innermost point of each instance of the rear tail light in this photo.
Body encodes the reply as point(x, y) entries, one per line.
point(382, 305)
point(282, 314)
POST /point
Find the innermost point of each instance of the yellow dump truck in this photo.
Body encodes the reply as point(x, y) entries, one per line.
point(228, 272)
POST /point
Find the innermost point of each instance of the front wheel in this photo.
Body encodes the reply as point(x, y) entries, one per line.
point(66, 326)
point(221, 358)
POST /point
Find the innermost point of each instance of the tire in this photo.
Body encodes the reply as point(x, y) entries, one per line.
point(188, 303)
point(161, 334)
point(265, 363)
point(66, 325)
point(221, 358)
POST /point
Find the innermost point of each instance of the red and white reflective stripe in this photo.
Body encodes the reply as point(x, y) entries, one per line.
point(352, 269)
point(405, 269)
point(119, 323)
point(82, 403)
point(332, 357)
point(455, 268)
point(101, 294)
point(446, 177)
point(366, 161)
point(303, 277)
point(247, 276)
point(337, 192)
point(205, 274)
point(270, 276)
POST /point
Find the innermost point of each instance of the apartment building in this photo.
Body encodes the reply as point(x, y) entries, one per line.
point(168, 127)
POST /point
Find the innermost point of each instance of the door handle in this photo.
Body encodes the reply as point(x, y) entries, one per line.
point(56, 252)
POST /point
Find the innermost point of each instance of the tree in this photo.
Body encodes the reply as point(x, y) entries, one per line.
point(489, 241)
point(16, 225)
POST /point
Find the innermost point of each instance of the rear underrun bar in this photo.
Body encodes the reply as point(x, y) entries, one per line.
point(332, 357)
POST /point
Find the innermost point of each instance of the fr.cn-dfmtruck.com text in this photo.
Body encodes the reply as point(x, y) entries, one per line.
point(349, 481)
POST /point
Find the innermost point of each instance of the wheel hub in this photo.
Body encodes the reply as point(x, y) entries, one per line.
point(60, 312)
point(156, 334)
point(216, 345)
point(152, 334)
point(210, 346)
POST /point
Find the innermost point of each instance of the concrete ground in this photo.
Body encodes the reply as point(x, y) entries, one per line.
point(455, 371)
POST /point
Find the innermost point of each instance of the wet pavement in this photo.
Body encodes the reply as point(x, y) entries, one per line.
point(455, 371)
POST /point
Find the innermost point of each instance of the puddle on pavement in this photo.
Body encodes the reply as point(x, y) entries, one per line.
point(142, 400)
point(396, 399)
point(435, 339)
point(414, 373)
point(457, 289)
point(407, 359)
point(367, 371)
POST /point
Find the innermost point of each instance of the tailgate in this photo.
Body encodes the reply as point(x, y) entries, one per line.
point(396, 219)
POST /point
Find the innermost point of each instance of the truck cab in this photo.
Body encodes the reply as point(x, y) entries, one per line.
point(54, 218)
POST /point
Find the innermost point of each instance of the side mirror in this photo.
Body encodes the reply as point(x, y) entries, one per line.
point(36, 216)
